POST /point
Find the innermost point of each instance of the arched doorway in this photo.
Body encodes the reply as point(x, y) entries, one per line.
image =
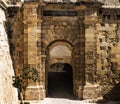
point(60, 81)
point(59, 72)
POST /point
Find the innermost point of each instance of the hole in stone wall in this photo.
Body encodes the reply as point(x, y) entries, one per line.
point(118, 17)
point(60, 81)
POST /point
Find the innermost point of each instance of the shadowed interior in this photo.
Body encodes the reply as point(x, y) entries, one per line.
point(60, 83)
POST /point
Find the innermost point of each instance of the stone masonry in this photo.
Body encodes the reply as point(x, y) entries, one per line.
point(8, 94)
point(84, 34)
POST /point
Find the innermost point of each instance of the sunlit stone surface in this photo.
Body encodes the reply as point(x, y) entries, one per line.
point(8, 94)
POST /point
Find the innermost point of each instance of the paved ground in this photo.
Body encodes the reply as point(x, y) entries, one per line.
point(66, 101)
point(60, 101)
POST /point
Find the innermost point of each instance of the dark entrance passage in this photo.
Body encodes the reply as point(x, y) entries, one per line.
point(60, 81)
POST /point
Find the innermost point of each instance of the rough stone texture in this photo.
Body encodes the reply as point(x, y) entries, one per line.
point(110, 2)
point(89, 32)
point(15, 35)
point(8, 94)
point(108, 53)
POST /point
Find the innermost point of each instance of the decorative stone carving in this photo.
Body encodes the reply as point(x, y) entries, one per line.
point(61, 31)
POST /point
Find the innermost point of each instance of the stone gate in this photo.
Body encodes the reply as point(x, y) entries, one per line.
point(76, 33)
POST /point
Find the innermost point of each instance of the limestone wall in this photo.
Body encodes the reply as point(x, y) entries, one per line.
point(110, 2)
point(15, 35)
point(108, 52)
point(8, 94)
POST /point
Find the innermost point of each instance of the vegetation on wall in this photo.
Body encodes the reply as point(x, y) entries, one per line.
point(21, 82)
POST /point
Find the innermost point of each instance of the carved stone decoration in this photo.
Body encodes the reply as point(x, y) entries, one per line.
point(61, 31)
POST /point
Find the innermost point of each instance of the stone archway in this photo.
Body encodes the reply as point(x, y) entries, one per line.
point(59, 52)
point(59, 69)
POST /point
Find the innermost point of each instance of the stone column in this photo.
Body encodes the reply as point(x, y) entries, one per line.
point(91, 88)
point(31, 32)
point(8, 94)
point(79, 56)
point(33, 49)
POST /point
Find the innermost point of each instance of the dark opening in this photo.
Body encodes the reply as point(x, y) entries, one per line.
point(118, 17)
point(60, 81)
point(60, 13)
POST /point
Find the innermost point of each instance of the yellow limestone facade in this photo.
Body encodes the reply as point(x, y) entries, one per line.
point(82, 34)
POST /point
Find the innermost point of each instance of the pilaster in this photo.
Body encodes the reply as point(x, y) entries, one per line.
point(32, 50)
point(91, 88)
point(79, 56)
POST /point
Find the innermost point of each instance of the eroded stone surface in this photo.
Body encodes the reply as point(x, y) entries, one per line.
point(8, 94)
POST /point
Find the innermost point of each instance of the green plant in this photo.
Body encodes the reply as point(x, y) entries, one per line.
point(21, 81)
point(26, 102)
